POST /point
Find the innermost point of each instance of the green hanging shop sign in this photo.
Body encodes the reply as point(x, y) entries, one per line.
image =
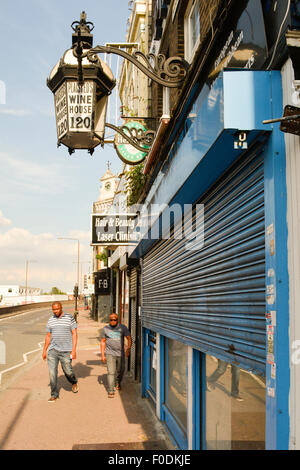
point(127, 153)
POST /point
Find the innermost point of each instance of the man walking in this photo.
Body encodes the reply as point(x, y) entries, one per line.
point(61, 338)
point(113, 352)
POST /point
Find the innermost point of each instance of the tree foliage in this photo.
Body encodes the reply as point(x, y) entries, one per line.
point(135, 183)
point(54, 291)
point(103, 256)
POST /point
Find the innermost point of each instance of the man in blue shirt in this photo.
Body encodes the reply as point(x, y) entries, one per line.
point(61, 338)
point(113, 352)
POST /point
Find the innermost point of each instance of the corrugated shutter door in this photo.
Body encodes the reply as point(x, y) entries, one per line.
point(214, 298)
point(132, 293)
point(133, 283)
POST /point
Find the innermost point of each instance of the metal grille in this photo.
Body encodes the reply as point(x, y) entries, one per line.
point(132, 293)
point(214, 298)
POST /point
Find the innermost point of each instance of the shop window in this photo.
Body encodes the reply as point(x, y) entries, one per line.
point(192, 29)
point(235, 407)
point(176, 382)
point(152, 364)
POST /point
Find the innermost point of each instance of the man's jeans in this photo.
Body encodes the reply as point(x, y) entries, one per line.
point(115, 371)
point(220, 370)
point(54, 357)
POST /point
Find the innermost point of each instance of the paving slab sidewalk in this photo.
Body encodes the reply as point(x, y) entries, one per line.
point(85, 420)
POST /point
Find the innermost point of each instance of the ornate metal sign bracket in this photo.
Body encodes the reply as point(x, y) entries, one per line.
point(136, 138)
point(169, 72)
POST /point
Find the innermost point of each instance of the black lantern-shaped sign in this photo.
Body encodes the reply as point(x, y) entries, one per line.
point(81, 89)
point(81, 84)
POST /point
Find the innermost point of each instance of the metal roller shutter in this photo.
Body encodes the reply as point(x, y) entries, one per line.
point(132, 293)
point(133, 283)
point(214, 298)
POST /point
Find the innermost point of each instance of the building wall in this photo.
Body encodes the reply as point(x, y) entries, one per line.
point(292, 143)
point(13, 290)
point(172, 42)
point(133, 84)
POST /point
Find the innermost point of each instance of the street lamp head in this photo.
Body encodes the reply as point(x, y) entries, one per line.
point(81, 89)
point(82, 32)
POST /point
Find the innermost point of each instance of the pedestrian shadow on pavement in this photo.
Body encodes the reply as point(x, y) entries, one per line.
point(81, 371)
point(102, 381)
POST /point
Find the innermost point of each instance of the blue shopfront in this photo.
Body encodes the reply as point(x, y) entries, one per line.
point(215, 312)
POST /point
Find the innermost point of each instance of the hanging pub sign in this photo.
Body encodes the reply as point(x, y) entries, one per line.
point(127, 153)
point(114, 229)
point(80, 105)
point(102, 282)
point(74, 109)
point(61, 111)
point(80, 98)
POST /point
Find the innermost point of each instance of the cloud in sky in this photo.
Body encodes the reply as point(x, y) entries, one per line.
point(43, 178)
point(4, 220)
point(52, 262)
point(15, 112)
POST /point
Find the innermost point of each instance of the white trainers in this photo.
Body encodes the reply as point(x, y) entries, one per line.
point(237, 397)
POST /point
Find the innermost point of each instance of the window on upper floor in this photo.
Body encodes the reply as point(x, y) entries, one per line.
point(191, 29)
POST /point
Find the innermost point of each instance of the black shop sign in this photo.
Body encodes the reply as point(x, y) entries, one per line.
point(102, 282)
point(114, 229)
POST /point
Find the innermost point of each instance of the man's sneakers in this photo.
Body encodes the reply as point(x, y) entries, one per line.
point(210, 386)
point(237, 397)
point(74, 390)
point(52, 399)
point(112, 394)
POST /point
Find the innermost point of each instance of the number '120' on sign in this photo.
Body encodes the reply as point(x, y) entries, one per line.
point(80, 122)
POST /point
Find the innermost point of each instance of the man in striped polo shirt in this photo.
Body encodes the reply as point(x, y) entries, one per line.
point(61, 338)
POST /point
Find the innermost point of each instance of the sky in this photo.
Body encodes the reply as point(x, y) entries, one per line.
point(44, 192)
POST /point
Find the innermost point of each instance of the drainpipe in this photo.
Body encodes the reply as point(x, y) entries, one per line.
point(157, 143)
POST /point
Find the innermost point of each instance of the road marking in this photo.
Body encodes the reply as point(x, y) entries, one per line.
point(25, 360)
point(18, 315)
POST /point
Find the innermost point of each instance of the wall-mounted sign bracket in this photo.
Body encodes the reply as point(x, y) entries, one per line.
point(290, 122)
point(136, 138)
point(169, 72)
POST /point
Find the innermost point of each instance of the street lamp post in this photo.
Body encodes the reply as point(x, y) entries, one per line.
point(81, 263)
point(77, 284)
point(26, 276)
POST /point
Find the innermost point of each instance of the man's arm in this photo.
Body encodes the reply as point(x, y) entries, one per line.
point(129, 344)
point(46, 345)
point(74, 340)
point(102, 348)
